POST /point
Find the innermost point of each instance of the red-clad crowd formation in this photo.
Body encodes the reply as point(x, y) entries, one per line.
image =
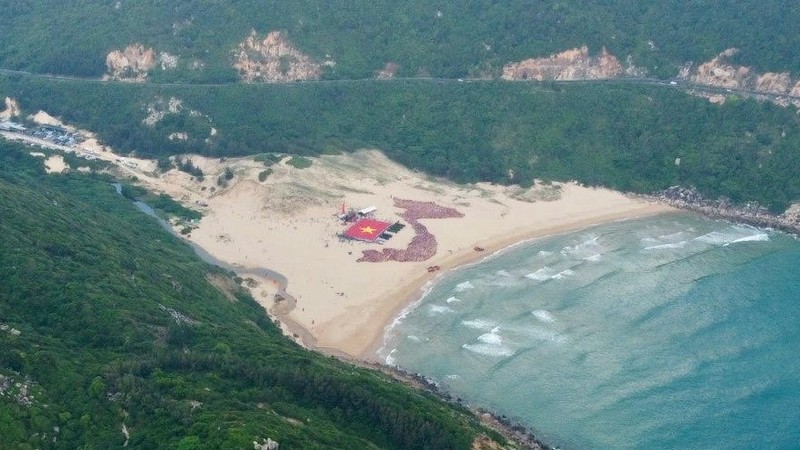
point(423, 245)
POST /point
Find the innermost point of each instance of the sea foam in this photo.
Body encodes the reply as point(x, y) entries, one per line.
point(545, 273)
point(680, 244)
point(759, 237)
point(465, 286)
point(478, 324)
point(439, 309)
point(488, 349)
point(587, 248)
point(543, 316)
point(563, 274)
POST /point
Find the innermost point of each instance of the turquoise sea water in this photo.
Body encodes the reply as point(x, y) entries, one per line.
point(669, 332)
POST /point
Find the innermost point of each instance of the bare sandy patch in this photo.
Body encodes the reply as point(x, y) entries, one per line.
point(289, 224)
point(55, 164)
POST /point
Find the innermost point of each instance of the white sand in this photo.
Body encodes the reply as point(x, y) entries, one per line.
point(55, 164)
point(288, 224)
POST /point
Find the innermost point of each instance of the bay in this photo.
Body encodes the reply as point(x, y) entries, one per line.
point(675, 331)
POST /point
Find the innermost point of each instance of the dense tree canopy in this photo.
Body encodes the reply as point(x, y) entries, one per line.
point(620, 135)
point(441, 39)
point(105, 320)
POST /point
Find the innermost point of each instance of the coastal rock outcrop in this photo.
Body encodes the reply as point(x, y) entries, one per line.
point(719, 72)
point(573, 64)
point(273, 59)
point(750, 213)
point(131, 63)
point(12, 109)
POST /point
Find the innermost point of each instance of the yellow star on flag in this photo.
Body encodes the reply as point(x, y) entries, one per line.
point(368, 229)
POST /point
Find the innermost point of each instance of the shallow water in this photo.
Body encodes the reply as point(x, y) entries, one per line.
point(667, 332)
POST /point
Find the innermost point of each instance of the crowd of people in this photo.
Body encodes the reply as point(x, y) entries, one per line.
point(423, 244)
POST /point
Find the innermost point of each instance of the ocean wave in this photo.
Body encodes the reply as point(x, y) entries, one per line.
point(587, 248)
point(467, 285)
point(390, 359)
point(760, 237)
point(544, 253)
point(543, 316)
point(488, 350)
point(680, 244)
point(680, 235)
point(478, 324)
point(594, 258)
point(563, 274)
point(545, 273)
point(545, 335)
point(492, 338)
point(734, 235)
point(715, 238)
point(453, 300)
point(413, 338)
point(440, 309)
point(503, 273)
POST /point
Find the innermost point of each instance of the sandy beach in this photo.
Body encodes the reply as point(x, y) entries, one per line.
point(288, 222)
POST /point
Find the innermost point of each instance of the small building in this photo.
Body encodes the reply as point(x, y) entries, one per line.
point(366, 211)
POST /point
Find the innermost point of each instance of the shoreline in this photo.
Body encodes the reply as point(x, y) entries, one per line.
point(287, 222)
point(411, 294)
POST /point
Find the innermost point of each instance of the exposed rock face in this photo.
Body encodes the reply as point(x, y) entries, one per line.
point(266, 444)
point(167, 61)
point(12, 109)
point(131, 64)
point(775, 83)
point(160, 108)
point(574, 64)
point(178, 136)
point(273, 59)
point(720, 73)
point(388, 71)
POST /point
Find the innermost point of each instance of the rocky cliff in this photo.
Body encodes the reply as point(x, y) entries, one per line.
point(131, 63)
point(574, 64)
point(273, 59)
point(11, 111)
point(721, 73)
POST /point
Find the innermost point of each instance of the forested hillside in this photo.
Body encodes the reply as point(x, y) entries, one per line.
point(423, 38)
point(111, 333)
point(632, 138)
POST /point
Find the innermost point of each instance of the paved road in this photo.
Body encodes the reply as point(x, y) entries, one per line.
point(675, 83)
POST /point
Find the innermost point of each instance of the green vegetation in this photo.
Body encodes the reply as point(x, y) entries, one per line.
point(108, 320)
point(299, 162)
point(168, 206)
point(268, 158)
point(613, 134)
point(189, 167)
point(445, 39)
point(262, 176)
point(162, 203)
